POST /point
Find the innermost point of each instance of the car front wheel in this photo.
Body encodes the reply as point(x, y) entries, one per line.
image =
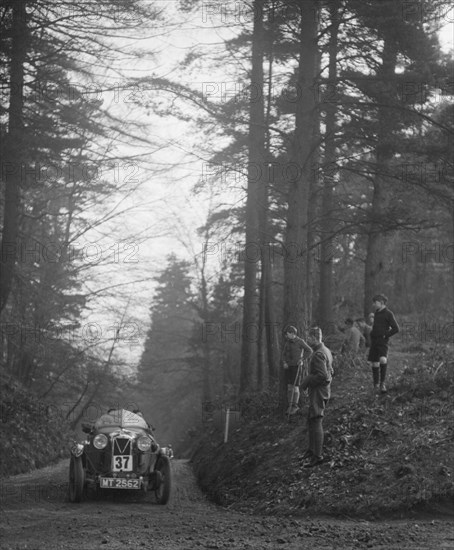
point(76, 479)
point(162, 492)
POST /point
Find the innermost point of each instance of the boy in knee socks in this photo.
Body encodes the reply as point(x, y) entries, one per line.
point(385, 326)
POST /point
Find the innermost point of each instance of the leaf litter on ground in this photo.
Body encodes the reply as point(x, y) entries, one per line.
point(384, 455)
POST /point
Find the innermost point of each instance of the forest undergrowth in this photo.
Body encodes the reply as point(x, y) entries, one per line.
point(33, 433)
point(385, 456)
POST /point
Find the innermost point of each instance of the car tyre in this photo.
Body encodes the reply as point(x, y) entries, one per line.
point(76, 479)
point(163, 490)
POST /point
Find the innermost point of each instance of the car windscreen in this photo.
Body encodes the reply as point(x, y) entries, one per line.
point(121, 418)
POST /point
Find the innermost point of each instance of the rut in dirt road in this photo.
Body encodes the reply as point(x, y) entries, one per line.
point(36, 515)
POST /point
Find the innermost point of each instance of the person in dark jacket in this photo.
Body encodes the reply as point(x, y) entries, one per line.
point(292, 358)
point(318, 384)
point(385, 326)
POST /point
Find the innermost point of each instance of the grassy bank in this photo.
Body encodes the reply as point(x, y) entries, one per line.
point(385, 455)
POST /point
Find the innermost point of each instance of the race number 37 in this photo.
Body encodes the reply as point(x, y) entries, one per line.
point(123, 463)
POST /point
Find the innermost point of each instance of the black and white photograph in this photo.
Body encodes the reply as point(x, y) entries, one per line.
point(226, 274)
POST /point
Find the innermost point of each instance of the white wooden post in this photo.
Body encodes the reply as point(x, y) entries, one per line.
point(227, 419)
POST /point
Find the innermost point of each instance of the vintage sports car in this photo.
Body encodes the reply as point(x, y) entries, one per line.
point(120, 452)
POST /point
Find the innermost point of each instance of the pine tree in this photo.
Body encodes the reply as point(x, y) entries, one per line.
point(170, 385)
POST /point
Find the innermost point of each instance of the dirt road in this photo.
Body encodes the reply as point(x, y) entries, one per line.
point(37, 516)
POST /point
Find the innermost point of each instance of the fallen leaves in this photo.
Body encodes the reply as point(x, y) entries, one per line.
point(382, 453)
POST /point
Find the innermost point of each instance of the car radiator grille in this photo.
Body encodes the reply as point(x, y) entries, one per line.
point(121, 446)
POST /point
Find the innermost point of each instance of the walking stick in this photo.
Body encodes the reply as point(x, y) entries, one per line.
point(298, 373)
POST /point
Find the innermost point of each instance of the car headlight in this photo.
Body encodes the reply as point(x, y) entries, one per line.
point(100, 441)
point(144, 443)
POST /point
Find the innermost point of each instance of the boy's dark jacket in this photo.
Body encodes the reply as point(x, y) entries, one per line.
point(385, 325)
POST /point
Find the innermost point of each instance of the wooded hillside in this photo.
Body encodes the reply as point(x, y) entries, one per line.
point(322, 139)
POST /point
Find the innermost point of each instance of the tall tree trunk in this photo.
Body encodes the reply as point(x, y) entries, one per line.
point(256, 174)
point(262, 203)
point(303, 148)
point(375, 254)
point(325, 312)
point(207, 393)
point(311, 223)
point(267, 310)
point(272, 332)
point(313, 210)
point(14, 154)
point(297, 211)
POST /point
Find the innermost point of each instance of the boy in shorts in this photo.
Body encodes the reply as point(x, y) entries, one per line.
point(385, 326)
